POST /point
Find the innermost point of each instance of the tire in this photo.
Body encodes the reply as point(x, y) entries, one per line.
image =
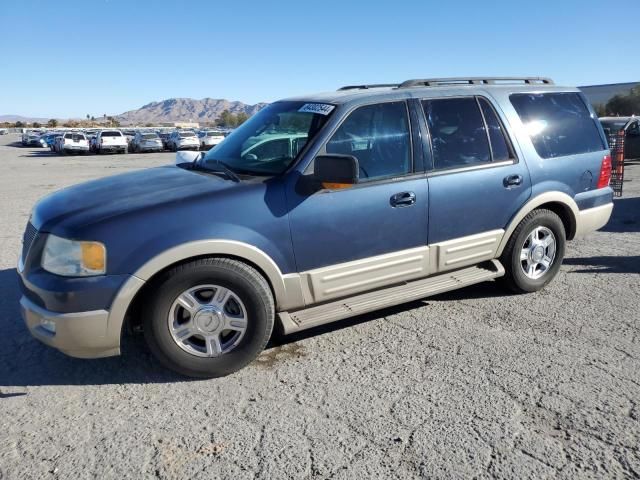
point(542, 225)
point(243, 281)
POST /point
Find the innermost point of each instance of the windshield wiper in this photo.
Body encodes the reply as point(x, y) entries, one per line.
point(222, 168)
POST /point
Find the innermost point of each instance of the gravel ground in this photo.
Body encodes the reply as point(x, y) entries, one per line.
point(474, 383)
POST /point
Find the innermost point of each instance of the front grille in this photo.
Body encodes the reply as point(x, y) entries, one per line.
point(29, 236)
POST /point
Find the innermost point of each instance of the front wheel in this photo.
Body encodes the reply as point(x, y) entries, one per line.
point(209, 318)
point(534, 253)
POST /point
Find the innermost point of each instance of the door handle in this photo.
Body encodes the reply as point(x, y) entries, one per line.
point(512, 181)
point(403, 199)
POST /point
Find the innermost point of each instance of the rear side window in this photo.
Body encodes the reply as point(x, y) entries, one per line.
point(499, 147)
point(458, 135)
point(378, 136)
point(559, 124)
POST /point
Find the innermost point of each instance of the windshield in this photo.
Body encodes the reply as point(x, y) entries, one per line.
point(215, 134)
point(187, 134)
point(111, 134)
point(269, 142)
point(149, 136)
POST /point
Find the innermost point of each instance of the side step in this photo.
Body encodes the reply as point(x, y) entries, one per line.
point(407, 292)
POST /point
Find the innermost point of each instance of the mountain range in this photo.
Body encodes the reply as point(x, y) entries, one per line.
point(186, 109)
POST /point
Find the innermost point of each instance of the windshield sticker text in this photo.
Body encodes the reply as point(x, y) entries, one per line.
point(319, 108)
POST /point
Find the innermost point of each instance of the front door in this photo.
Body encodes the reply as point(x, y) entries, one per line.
point(371, 234)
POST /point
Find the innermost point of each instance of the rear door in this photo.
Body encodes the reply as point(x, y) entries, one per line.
point(476, 181)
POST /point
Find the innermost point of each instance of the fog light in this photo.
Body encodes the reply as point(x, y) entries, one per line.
point(48, 325)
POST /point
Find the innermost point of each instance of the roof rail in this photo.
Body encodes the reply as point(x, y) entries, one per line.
point(365, 87)
point(432, 82)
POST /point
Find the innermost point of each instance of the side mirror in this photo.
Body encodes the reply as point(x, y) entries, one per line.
point(336, 171)
point(188, 156)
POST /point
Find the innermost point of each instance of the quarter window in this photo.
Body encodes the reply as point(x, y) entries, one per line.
point(559, 124)
point(378, 136)
point(458, 135)
point(499, 146)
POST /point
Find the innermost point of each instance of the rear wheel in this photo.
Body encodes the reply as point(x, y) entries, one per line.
point(534, 253)
point(210, 317)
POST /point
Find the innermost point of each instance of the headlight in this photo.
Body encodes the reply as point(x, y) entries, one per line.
point(72, 258)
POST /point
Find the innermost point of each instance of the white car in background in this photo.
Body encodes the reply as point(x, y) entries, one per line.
point(209, 139)
point(110, 140)
point(73, 142)
point(183, 140)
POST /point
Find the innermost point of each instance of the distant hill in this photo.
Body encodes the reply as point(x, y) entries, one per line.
point(601, 94)
point(19, 118)
point(186, 109)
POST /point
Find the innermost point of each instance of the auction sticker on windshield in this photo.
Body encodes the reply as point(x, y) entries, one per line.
point(319, 108)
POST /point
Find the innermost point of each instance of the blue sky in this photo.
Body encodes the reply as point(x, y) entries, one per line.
point(69, 58)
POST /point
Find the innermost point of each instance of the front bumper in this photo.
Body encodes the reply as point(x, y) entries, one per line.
point(81, 335)
point(93, 331)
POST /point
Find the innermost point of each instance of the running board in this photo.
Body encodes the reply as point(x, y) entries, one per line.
point(396, 295)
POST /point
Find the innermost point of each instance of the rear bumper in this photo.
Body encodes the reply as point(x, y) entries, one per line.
point(112, 147)
point(592, 219)
point(82, 334)
point(76, 148)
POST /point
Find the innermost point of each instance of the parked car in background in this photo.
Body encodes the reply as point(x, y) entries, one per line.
point(164, 137)
point(73, 142)
point(209, 138)
point(630, 128)
point(130, 134)
point(146, 142)
point(388, 194)
point(32, 138)
point(183, 140)
point(4, 131)
point(47, 140)
point(110, 141)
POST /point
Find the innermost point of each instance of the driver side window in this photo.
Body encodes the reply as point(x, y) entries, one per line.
point(378, 136)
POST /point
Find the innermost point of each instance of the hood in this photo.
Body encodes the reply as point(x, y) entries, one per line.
point(91, 202)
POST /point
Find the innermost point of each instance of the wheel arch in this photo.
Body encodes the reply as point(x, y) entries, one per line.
point(560, 203)
point(133, 292)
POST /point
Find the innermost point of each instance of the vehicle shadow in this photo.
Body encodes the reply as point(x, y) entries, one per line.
point(40, 153)
point(625, 216)
point(24, 361)
point(605, 264)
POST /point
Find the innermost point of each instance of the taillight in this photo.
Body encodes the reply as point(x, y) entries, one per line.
point(605, 172)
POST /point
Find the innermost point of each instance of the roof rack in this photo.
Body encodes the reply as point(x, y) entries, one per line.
point(432, 82)
point(365, 87)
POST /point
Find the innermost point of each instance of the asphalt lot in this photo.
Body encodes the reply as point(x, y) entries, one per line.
point(474, 383)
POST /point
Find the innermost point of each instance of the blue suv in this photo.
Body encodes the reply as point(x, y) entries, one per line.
point(316, 209)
